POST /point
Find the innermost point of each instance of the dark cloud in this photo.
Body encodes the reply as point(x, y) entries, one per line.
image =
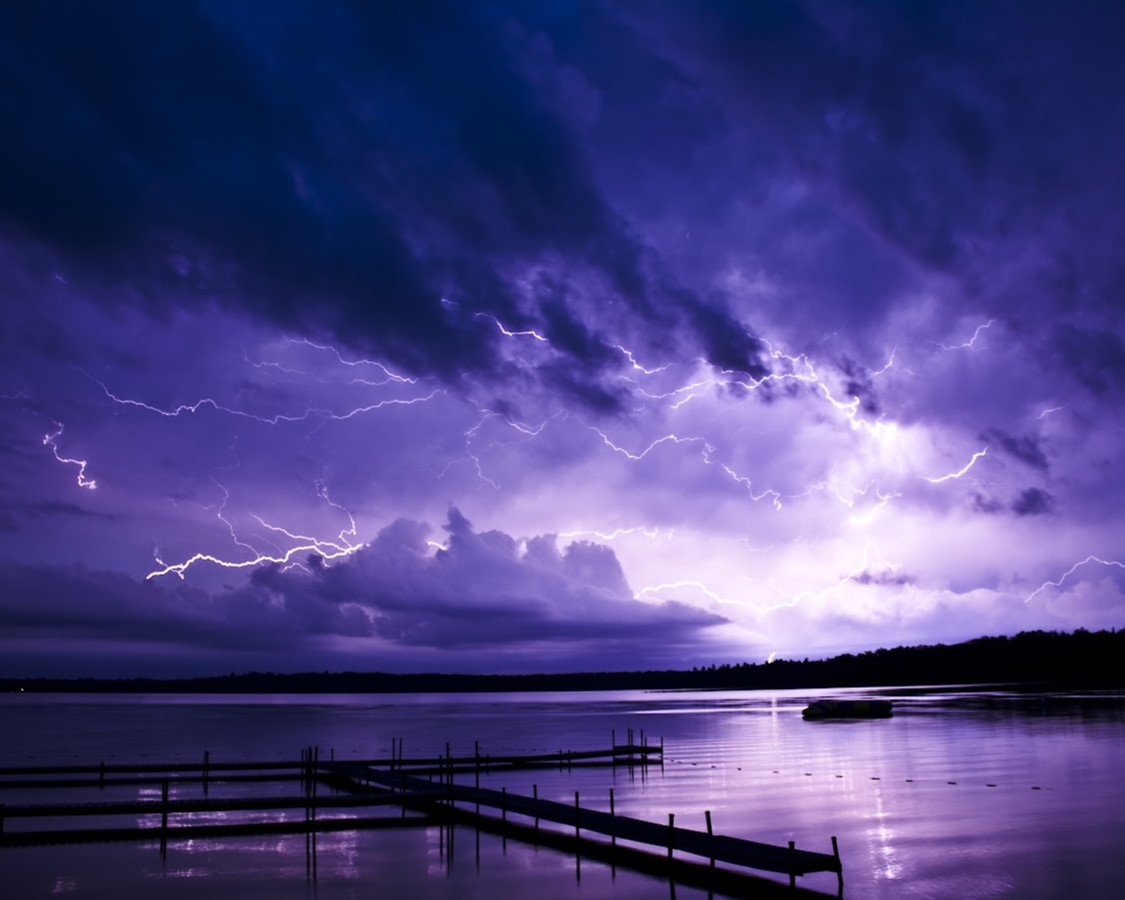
point(1025, 448)
point(859, 386)
point(1033, 502)
point(1095, 357)
point(882, 578)
point(62, 508)
point(342, 173)
point(948, 133)
point(74, 603)
point(987, 505)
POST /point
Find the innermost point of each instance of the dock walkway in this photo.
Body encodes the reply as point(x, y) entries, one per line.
point(422, 791)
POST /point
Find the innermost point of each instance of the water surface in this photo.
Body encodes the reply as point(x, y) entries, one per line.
point(962, 794)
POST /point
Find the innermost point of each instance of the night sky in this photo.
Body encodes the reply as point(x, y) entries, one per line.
point(513, 336)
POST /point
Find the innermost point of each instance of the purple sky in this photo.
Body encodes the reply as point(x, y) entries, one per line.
point(520, 336)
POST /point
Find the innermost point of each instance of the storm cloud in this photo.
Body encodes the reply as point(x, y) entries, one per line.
point(798, 325)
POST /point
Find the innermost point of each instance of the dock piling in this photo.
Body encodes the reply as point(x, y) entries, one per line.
point(839, 867)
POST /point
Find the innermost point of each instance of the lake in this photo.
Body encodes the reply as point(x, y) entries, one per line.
point(963, 793)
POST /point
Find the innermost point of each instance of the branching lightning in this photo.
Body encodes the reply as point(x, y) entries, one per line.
point(344, 544)
point(51, 440)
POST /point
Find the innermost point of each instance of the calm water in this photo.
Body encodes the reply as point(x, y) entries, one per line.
point(965, 795)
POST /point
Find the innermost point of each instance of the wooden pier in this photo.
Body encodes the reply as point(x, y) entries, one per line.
point(411, 792)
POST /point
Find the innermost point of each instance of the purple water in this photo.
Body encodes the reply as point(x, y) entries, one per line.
point(961, 794)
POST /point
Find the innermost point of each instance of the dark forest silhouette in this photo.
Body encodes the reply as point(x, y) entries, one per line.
point(1079, 659)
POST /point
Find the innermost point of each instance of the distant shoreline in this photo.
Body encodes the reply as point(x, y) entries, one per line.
point(1082, 659)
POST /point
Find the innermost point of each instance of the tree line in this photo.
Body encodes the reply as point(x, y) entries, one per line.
point(1078, 659)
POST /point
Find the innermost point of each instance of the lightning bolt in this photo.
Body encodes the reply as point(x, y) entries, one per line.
point(51, 440)
point(1065, 575)
point(790, 600)
point(980, 454)
point(531, 334)
point(875, 373)
point(664, 388)
point(487, 415)
point(636, 366)
point(353, 363)
point(307, 414)
point(651, 533)
point(971, 343)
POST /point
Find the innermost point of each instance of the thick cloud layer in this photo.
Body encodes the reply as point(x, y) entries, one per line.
point(800, 324)
point(528, 606)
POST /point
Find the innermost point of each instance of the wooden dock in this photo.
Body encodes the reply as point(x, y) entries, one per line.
point(411, 792)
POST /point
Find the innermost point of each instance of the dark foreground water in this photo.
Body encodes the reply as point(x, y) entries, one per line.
point(960, 795)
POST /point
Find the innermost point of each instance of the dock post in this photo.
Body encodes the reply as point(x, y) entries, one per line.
point(710, 833)
point(612, 813)
point(839, 866)
point(503, 804)
point(535, 796)
point(577, 814)
point(164, 805)
point(671, 832)
point(792, 854)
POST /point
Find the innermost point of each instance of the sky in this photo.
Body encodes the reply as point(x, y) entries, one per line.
point(544, 336)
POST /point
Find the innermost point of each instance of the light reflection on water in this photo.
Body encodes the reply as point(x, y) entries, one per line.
point(961, 794)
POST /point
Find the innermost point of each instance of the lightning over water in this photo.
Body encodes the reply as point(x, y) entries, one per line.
point(535, 336)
